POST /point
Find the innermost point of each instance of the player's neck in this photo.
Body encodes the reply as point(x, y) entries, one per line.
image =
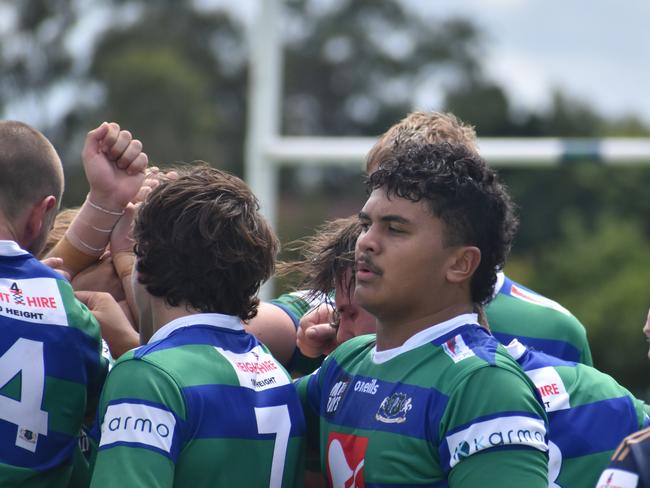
point(162, 313)
point(394, 332)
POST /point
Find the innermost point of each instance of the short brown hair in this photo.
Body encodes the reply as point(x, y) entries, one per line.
point(202, 242)
point(422, 128)
point(326, 255)
point(31, 168)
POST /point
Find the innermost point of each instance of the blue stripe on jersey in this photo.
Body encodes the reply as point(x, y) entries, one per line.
point(556, 348)
point(216, 410)
point(61, 347)
point(476, 338)
point(237, 341)
point(591, 428)
point(52, 450)
point(25, 266)
point(359, 409)
point(530, 360)
point(313, 391)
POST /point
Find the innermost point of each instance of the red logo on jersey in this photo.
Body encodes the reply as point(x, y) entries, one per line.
point(345, 460)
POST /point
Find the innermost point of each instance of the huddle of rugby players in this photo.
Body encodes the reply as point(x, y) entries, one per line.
point(136, 351)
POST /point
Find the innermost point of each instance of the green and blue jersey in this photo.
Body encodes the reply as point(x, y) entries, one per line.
point(51, 371)
point(448, 408)
point(203, 404)
point(589, 414)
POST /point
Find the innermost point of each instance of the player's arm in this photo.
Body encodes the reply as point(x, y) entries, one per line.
point(140, 415)
point(114, 165)
point(274, 327)
point(495, 433)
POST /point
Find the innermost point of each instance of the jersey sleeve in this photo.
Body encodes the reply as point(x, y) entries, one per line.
point(496, 470)
point(494, 411)
point(142, 417)
point(89, 345)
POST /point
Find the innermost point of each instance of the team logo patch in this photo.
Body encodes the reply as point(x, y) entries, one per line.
point(617, 478)
point(456, 349)
point(256, 369)
point(551, 388)
point(514, 430)
point(393, 408)
point(536, 299)
point(345, 460)
point(336, 394)
point(32, 300)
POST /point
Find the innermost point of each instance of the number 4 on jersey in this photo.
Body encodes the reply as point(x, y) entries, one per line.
point(26, 357)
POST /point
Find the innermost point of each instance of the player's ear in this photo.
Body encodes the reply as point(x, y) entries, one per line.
point(463, 263)
point(39, 219)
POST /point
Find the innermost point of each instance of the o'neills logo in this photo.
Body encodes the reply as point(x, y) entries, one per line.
point(369, 387)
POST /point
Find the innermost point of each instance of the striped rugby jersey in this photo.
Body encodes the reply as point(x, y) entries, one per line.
point(418, 415)
point(589, 413)
point(203, 404)
point(519, 313)
point(51, 371)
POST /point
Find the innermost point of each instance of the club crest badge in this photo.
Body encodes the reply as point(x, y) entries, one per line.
point(393, 408)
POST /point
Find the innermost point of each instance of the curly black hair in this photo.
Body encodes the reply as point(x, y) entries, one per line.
point(202, 242)
point(464, 192)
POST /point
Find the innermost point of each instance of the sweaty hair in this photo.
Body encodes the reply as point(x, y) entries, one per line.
point(325, 256)
point(463, 192)
point(422, 128)
point(202, 242)
point(31, 168)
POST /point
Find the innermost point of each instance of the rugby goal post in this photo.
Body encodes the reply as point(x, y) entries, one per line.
point(267, 150)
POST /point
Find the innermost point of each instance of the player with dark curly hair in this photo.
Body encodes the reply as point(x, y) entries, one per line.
point(202, 392)
point(432, 399)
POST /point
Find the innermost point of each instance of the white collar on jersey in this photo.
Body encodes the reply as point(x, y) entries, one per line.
point(501, 279)
point(516, 349)
point(423, 337)
point(10, 248)
point(220, 320)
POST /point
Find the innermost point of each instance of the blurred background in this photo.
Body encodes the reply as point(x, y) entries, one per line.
point(175, 73)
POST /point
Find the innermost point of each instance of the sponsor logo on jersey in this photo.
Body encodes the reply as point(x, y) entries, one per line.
point(345, 460)
point(536, 299)
point(393, 408)
point(617, 478)
point(515, 430)
point(550, 387)
point(336, 394)
point(256, 369)
point(138, 424)
point(32, 300)
point(369, 387)
point(456, 349)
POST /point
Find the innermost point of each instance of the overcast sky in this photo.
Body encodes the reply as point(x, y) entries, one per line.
point(595, 50)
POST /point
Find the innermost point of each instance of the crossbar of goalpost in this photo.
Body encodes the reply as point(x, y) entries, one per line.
point(266, 151)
